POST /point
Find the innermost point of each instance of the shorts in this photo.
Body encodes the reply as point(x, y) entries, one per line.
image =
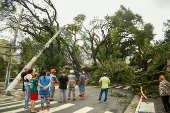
point(34, 96)
point(81, 88)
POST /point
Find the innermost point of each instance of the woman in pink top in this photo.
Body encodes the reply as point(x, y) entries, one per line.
point(27, 87)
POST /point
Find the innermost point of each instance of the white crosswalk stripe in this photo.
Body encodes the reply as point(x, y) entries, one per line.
point(84, 110)
point(6, 98)
point(64, 106)
point(22, 109)
point(15, 105)
point(10, 102)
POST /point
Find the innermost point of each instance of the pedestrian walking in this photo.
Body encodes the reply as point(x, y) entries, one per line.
point(27, 87)
point(164, 92)
point(48, 74)
point(33, 91)
point(23, 75)
point(44, 82)
point(104, 82)
point(71, 85)
point(82, 82)
point(63, 87)
point(53, 81)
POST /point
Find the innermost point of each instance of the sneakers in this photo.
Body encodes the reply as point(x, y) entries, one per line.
point(99, 102)
point(68, 98)
point(48, 109)
point(41, 110)
point(74, 99)
point(51, 98)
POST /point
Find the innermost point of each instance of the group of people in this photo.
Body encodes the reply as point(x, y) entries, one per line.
point(47, 87)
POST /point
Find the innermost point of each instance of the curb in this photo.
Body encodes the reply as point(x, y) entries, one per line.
point(132, 106)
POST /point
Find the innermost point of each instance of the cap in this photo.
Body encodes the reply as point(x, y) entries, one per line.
point(53, 70)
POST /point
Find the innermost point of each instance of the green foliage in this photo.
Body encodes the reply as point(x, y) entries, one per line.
point(118, 71)
point(118, 94)
point(167, 34)
point(3, 67)
point(122, 101)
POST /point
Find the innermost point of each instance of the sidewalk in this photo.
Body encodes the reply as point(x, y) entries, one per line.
point(135, 101)
point(157, 103)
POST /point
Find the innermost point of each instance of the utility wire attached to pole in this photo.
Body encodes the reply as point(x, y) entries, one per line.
point(11, 52)
point(17, 79)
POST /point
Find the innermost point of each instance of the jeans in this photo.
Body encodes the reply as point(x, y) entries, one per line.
point(165, 101)
point(101, 92)
point(27, 93)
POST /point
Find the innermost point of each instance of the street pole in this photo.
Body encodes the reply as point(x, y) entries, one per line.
point(11, 52)
point(17, 79)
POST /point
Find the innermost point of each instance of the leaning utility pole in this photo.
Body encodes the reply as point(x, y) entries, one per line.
point(17, 79)
point(11, 52)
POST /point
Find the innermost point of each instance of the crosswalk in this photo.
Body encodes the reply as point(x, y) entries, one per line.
point(18, 107)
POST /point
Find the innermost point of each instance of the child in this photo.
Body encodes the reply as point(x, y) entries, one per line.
point(33, 91)
point(48, 74)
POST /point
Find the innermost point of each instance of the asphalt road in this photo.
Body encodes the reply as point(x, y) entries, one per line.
point(89, 105)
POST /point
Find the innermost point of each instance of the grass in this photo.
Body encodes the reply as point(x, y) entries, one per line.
point(117, 94)
point(134, 106)
point(122, 102)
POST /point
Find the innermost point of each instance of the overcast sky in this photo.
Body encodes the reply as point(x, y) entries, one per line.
point(152, 11)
